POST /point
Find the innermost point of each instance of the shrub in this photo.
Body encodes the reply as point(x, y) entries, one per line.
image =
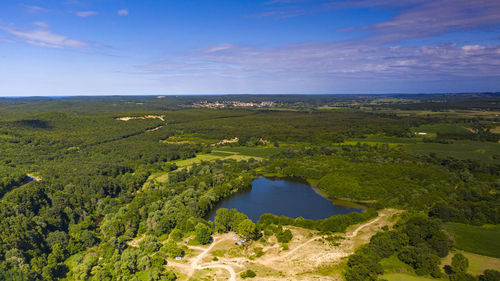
point(248, 274)
point(285, 236)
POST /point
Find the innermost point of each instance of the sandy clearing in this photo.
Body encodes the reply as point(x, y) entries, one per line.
point(299, 263)
point(127, 118)
point(226, 267)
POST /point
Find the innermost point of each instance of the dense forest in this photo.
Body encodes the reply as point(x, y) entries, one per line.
point(78, 182)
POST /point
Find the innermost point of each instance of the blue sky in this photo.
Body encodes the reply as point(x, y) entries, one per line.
point(104, 47)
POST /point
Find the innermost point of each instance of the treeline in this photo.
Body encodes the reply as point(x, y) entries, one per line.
point(418, 242)
point(396, 179)
point(10, 178)
point(174, 209)
point(337, 223)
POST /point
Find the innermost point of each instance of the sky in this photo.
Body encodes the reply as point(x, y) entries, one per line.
point(149, 47)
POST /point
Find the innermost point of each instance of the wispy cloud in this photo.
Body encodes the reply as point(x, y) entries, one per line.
point(44, 37)
point(123, 12)
point(423, 18)
point(378, 55)
point(85, 14)
point(35, 9)
point(324, 59)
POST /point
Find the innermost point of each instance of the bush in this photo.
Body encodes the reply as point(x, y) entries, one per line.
point(149, 244)
point(172, 250)
point(490, 275)
point(285, 236)
point(203, 233)
point(248, 274)
point(459, 263)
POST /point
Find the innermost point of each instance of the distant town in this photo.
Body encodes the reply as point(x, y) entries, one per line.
point(225, 104)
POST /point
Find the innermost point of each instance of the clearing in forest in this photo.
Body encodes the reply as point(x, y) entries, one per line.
point(308, 254)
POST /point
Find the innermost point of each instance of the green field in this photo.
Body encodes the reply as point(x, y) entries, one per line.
point(405, 277)
point(210, 157)
point(392, 265)
point(483, 240)
point(477, 263)
point(475, 150)
point(442, 128)
point(254, 151)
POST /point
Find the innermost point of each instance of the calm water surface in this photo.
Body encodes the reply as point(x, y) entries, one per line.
point(281, 198)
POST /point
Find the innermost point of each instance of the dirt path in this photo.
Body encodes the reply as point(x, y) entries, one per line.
point(198, 258)
point(297, 248)
point(226, 267)
point(307, 255)
point(194, 265)
point(335, 254)
point(357, 229)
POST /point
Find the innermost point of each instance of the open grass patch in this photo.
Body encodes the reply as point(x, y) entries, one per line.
point(262, 152)
point(393, 265)
point(477, 263)
point(483, 240)
point(474, 150)
point(456, 129)
point(405, 277)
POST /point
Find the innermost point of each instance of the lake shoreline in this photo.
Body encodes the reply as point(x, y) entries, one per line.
point(283, 196)
point(336, 201)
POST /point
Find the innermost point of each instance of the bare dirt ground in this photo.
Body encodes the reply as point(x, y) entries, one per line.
point(308, 255)
point(161, 117)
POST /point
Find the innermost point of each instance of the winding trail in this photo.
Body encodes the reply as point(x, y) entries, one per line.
point(354, 233)
point(346, 247)
point(195, 262)
point(296, 248)
point(283, 262)
point(226, 267)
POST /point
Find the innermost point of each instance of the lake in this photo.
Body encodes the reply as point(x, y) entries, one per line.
point(281, 197)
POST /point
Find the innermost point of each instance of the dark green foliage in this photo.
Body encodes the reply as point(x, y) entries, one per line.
point(414, 241)
point(246, 229)
point(248, 274)
point(285, 236)
point(172, 250)
point(203, 233)
point(459, 263)
point(230, 220)
point(91, 200)
point(421, 258)
point(490, 275)
point(338, 223)
point(149, 244)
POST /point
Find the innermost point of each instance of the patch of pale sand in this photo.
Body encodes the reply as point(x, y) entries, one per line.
point(225, 141)
point(135, 242)
point(307, 254)
point(155, 129)
point(310, 254)
point(127, 118)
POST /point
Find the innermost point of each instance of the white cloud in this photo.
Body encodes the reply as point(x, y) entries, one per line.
point(84, 14)
point(123, 12)
point(44, 37)
point(35, 9)
point(41, 24)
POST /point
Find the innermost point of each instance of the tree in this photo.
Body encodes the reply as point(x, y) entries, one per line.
point(149, 244)
point(285, 236)
point(459, 263)
point(248, 274)
point(246, 229)
point(490, 275)
point(172, 250)
point(223, 220)
point(203, 233)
